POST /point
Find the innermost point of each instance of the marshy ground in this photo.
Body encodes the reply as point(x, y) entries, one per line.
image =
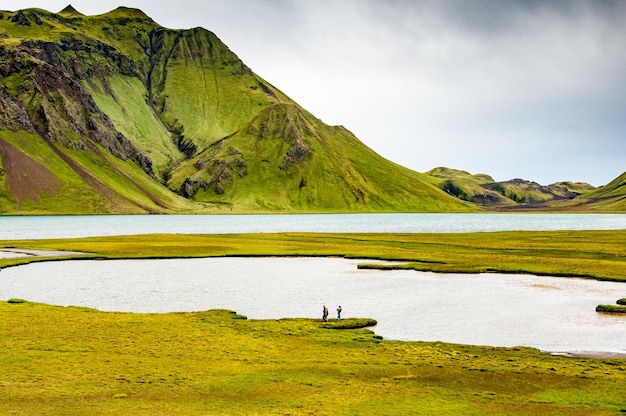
point(69, 360)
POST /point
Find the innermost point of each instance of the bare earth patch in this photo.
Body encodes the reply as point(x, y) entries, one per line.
point(26, 178)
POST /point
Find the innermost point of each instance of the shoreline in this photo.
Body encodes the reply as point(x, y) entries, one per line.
point(18, 253)
point(369, 322)
point(21, 255)
point(597, 355)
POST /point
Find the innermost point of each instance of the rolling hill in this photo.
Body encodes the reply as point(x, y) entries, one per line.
point(522, 195)
point(608, 198)
point(116, 114)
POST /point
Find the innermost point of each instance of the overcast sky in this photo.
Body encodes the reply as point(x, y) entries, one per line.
point(515, 89)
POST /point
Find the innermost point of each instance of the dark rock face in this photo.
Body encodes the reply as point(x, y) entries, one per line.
point(12, 115)
point(284, 122)
point(20, 19)
point(63, 111)
point(215, 172)
point(295, 154)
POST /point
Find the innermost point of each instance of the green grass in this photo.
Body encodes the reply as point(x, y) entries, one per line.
point(69, 360)
point(611, 308)
point(589, 254)
point(609, 197)
point(620, 307)
point(132, 189)
point(64, 361)
point(125, 103)
point(73, 195)
point(209, 102)
point(338, 174)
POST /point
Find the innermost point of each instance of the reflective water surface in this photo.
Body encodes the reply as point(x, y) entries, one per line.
point(62, 226)
point(553, 314)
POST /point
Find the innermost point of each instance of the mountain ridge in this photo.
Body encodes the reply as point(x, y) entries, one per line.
point(523, 195)
point(114, 113)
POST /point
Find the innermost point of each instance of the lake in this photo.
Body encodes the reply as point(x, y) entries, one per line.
point(549, 313)
point(41, 227)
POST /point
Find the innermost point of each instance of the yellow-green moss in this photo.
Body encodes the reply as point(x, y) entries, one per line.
point(67, 360)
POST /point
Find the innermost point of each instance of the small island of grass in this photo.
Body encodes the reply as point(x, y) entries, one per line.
point(619, 307)
point(611, 309)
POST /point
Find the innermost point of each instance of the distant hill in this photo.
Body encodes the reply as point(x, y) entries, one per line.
point(608, 198)
point(523, 195)
point(468, 187)
point(116, 114)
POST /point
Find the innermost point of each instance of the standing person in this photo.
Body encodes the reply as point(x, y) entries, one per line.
point(339, 313)
point(325, 313)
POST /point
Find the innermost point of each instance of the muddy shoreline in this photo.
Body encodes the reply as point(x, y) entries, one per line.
point(11, 253)
point(598, 355)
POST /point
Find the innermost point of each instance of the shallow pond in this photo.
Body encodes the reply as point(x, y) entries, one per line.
point(552, 314)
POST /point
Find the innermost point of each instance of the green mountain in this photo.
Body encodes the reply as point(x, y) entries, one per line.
point(522, 195)
point(608, 198)
point(513, 194)
point(468, 187)
point(116, 114)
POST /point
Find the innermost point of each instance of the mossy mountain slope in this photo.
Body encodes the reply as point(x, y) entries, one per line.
point(285, 158)
point(52, 132)
point(522, 195)
point(468, 187)
point(610, 197)
point(114, 114)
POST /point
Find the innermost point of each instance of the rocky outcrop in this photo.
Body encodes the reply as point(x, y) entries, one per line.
point(214, 170)
point(52, 102)
point(20, 19)
point(12, 115)
point(528, 192)
point(284, 122)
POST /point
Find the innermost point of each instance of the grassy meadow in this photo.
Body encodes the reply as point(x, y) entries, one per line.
point(588, 254)
point(71, 360)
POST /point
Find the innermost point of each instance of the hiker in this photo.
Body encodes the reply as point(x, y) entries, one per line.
point(339, 313)
point(325, 314)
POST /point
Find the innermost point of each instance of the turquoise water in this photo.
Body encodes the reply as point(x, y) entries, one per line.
point(39, 227)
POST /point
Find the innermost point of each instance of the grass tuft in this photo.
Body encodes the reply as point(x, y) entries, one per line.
point(350, 323)
point(611, 309)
